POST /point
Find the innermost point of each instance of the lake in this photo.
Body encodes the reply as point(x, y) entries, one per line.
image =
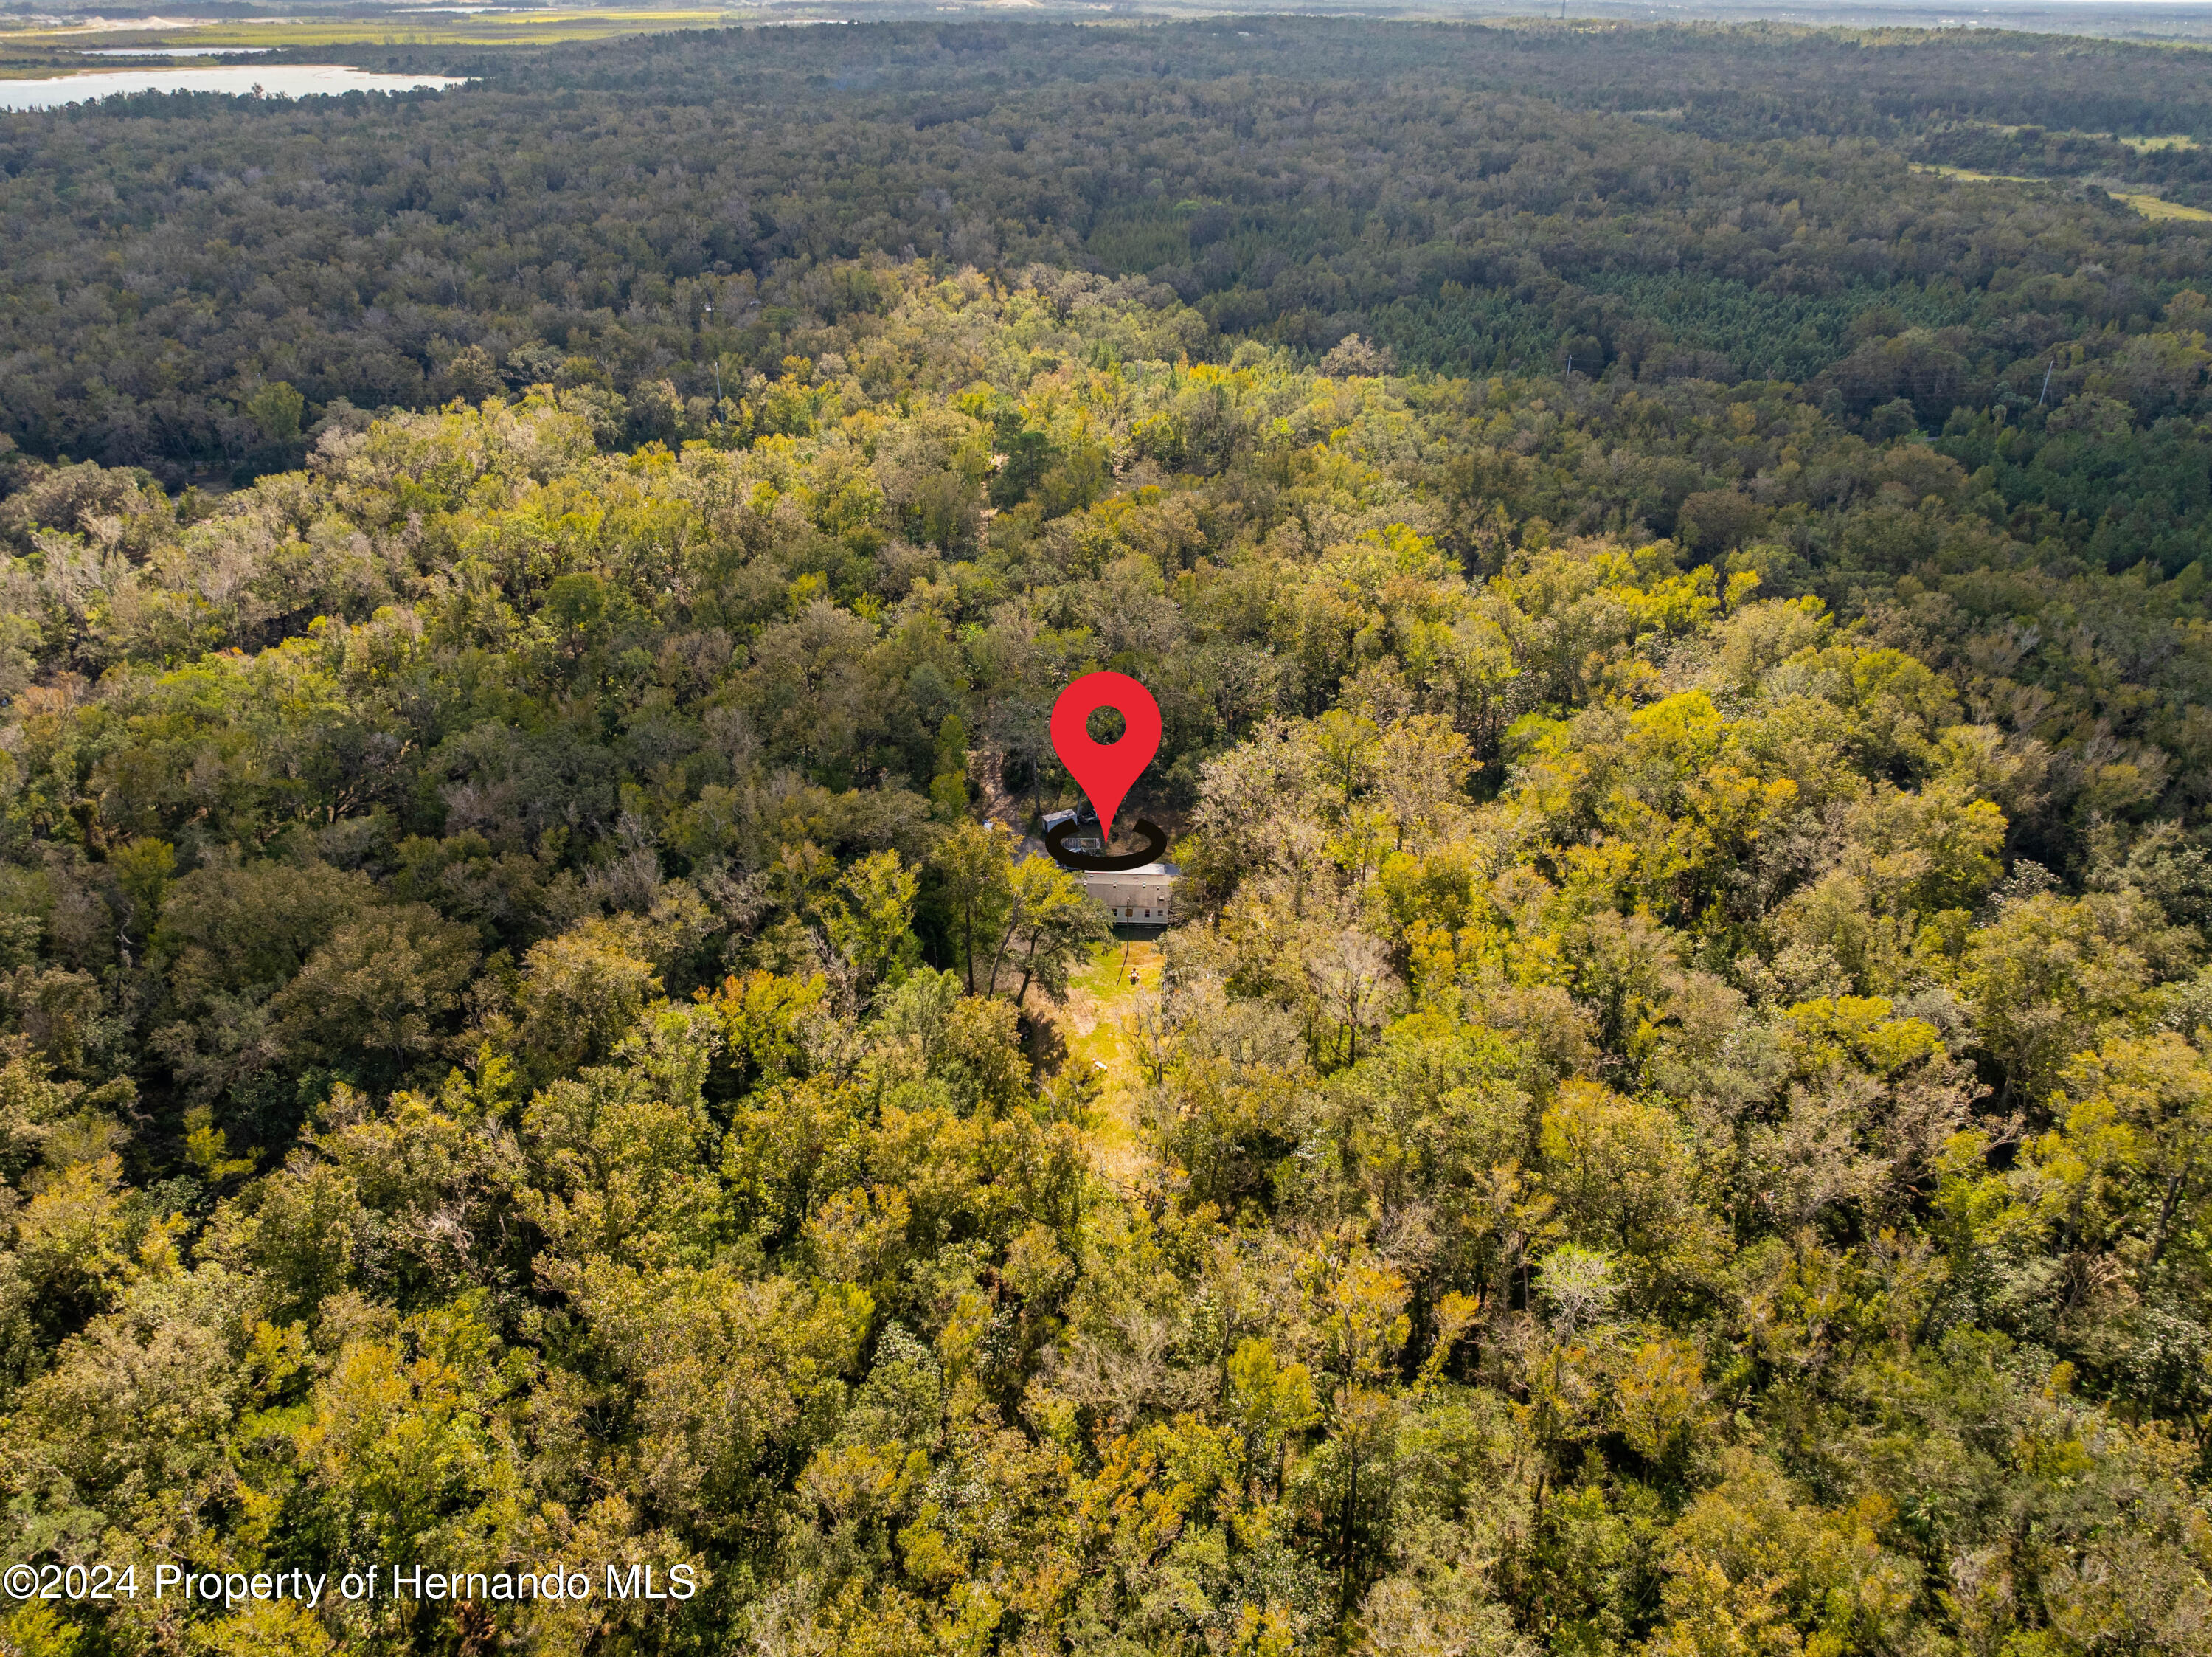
point(275, 80)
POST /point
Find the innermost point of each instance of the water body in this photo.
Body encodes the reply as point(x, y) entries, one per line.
point(275, 80)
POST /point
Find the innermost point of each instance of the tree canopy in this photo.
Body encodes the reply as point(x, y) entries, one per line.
point(1676, 1120)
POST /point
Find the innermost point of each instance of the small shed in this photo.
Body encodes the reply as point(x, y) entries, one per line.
point(1083, 837)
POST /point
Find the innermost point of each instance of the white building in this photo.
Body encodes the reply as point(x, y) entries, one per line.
point(1135, 897)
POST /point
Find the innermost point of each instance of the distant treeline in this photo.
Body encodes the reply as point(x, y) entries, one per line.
point(1653, 203)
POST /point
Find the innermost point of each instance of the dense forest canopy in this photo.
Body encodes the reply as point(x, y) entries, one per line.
point(1676, 1119)
point(1652, 203)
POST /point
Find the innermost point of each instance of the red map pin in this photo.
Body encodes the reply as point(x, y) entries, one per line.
point(1104, 770)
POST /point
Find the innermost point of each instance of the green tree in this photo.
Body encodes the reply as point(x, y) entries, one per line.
point(1051, 925)
point(276, 409)
point(975, 864)
point(870, 919)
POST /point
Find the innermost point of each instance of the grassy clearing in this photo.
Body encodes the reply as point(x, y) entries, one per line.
point(2151, 207)
point(400, 29)
point(1967, 175)
point(2142, 145)
point(1094, 1024)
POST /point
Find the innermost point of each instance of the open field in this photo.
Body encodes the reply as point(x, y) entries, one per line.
point(405, 27)
point(2152, 207)
point(1968, 175)
point(49, 52)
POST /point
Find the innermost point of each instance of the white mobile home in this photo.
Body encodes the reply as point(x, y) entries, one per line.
point(1135, 897)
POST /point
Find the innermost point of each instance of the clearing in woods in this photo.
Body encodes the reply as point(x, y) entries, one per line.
point(1096, 1023)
